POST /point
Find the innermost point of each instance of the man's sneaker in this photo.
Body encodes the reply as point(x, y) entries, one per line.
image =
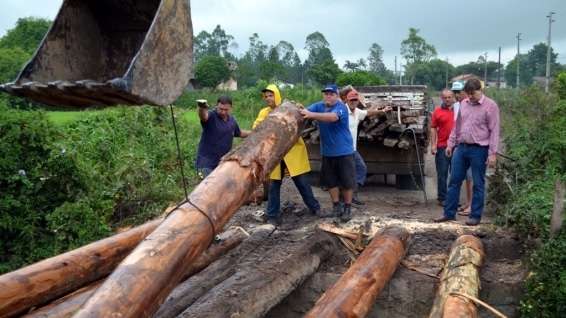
point(356, 200)
point(337, 209)
point(275, 221)
point(472, 222)
point(443, 219)
point(346, 214)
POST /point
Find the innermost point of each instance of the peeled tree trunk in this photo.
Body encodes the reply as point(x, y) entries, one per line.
point(356, 291)
point(57, 276)
point(461, 274)
point(145, 278)
point(68, 305)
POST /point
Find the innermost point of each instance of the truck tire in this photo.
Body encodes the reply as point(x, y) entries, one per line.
point(406, 182)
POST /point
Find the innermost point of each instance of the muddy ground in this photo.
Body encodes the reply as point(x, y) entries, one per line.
point(410, 293)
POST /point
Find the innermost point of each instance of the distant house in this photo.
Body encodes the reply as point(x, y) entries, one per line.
point(230, 85)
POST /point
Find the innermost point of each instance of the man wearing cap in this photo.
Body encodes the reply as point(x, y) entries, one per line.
point(338, 168)
point(440, 129)
point(355, 117)
point(219, 128)
point(295, 162)
point(476, 133)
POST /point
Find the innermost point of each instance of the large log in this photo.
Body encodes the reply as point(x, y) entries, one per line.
point(356, 291)
point(460, 275)
point(145, 278)
point(257, 286)
point(195, 287)
point(39, 283)
point(68, 305)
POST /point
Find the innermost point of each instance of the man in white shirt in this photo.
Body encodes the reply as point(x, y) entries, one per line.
point(356, 116)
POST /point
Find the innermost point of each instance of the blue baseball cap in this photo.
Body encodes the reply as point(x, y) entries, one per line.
point(330, 88)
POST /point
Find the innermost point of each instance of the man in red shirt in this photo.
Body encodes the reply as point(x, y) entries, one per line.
point(442, 124)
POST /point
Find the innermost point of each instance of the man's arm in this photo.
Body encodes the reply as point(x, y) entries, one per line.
point(379, 112)
point(493, 125)
point(455, 133)
point(324, 117)
point(244, 133)
point(203, 113)
point(433, 140)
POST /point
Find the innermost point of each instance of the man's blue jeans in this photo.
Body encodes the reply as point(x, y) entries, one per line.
point(442, 167)
point(304, 187)
point(361, 169)
point(466, 156)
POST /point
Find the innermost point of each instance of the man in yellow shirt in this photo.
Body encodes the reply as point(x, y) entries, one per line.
point(296, 162)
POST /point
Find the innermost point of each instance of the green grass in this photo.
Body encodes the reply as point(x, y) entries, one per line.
point(62, 118)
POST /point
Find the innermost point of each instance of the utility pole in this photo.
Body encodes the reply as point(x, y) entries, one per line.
point(400, 74)
point(518, 59)
point(395, 76)
point(499, 69)
point(547, 82)
point(485, 69)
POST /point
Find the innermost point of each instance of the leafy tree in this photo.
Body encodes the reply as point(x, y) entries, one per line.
point(536, 61)
point(26, 35)
point(11, 62)
point(325, 72)
point(315, 42)
point(434, 73)
point(478, 68)
point(511, 72)
point(320, 65)
point(415, 49)
point(211, 71)
point(216, 43)
point(355, 66)
point(375, 59)
point(249, 65)
point(271, 69)
point(359, 78)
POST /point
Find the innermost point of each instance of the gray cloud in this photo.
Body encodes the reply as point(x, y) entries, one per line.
point(459, 30)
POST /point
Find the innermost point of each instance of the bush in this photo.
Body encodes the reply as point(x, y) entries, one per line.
point(523, 190)
point(37, 177)
point(546, 285)
point(359, 78)
point(561, 85)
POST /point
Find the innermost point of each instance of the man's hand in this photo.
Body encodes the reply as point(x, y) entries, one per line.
point(202, 103)
point(306, 114)
point(491, 161)
point(387, 109)
point(448, 152)
point(433, 150)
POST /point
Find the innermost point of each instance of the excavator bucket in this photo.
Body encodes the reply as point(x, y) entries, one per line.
point(109, 52)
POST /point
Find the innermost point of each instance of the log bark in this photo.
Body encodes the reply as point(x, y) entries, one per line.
point(145, 278)
point(193, 288)
point(68, 305)
point(558, 208)
point(356, 291)
point(39, 283)
point(256, 287)
point(460, 275)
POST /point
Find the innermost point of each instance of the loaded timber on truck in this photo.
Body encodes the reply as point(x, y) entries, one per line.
point(387, 143)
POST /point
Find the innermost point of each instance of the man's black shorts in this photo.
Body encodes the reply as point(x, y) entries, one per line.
point(338, 172)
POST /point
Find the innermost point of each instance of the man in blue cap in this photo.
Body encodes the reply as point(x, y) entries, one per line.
point(336, 146)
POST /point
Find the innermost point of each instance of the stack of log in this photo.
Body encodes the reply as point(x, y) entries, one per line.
point(59, 286)
point(409, 105)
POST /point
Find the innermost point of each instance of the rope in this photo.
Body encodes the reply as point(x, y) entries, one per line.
point(179, 155)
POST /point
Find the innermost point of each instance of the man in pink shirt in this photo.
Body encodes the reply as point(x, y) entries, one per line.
point(476, 138)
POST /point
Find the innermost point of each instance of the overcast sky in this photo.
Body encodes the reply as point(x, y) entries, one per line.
point(460, 30)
